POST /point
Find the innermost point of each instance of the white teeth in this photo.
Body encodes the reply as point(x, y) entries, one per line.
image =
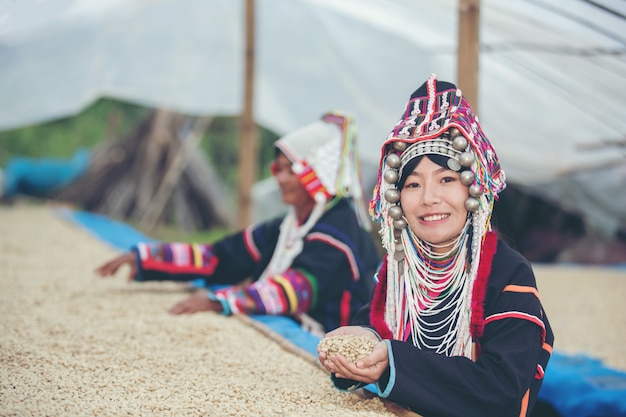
point(435, 217)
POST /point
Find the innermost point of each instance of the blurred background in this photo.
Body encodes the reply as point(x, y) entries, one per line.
point(162, 113)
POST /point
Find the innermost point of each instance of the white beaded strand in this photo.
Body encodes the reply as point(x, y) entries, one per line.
point(418, 284)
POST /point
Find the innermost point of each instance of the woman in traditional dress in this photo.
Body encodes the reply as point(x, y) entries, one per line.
point(456, 315)
point(315, 264)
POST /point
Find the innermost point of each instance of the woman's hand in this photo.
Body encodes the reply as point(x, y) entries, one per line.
point(110, 268)
point(196, 302)
point(368, 369)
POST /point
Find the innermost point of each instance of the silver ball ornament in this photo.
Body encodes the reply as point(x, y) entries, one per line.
point(392, 196)
point(395, 212)
point(475, 190)
point(466, 159)
point(390, 176)
point(454, 132)
point(467, 177)
point(454, 165)
point(472, 204)
point(400, 146)
point(459, 143)
point(399, 224)
point(393, 160)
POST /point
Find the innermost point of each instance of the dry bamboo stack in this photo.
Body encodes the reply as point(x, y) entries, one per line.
point(155, 175)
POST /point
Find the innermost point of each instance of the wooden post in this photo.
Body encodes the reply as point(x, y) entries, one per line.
point(248, 136)
point(468, 50)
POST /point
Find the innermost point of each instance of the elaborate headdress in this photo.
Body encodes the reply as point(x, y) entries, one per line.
point(325, 158)
point(437, 120)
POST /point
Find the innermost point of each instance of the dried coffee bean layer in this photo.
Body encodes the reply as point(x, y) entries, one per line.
point(351, 347)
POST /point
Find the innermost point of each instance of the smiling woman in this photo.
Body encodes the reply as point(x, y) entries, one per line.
point(456, 314)
point(433, 199)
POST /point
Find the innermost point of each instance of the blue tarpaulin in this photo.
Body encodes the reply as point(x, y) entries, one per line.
point(41, 177)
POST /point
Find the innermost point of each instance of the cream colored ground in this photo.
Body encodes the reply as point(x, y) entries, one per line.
point(72, 344)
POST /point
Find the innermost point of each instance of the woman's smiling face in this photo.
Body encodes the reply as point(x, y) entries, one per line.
point(433, 202)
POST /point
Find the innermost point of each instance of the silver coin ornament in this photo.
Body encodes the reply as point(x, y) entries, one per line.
point(399, 224)
point(467, 177)
point(466, 159)
point(400, 146)
point(392, 196)
point(459, 143)
point(454, 132)
point(390, 176)
point(475, 190)
point(393, 160)
point(454, 165)
point(472, 204)
point(395, 212)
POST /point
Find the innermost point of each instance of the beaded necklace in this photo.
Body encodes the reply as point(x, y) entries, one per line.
point(432, 305)
point(290, 239)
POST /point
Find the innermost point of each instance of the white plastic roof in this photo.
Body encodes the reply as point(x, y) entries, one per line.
point(552, 83)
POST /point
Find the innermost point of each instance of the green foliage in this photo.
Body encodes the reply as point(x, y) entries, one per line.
point(221, 144)
point(108, 118)
point(61, 138)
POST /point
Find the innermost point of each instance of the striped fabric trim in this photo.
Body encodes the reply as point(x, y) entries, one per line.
point(521, 289)
point(540, 372)
point(309, 179)
point(289, 291)
point(533, 319)
point(519, 315)
point(344, 307)
point(547, 348)
point(254, 298)
point(177, 258)
point(143, 250)
point(342, 247)
point(272, 296)
point(248, 240)
point(180, 253)
point(311, 280)
point(524, 405)
point(197, 255)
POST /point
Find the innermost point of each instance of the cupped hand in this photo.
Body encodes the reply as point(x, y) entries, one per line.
point(368, 369)
point(342, 331)
point(111, 267)
point(195, 303)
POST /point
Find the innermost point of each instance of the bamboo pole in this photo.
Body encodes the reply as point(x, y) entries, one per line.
point(468, 50)
point(248, 138)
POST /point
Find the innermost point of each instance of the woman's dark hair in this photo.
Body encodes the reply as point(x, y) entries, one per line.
point(440, 160)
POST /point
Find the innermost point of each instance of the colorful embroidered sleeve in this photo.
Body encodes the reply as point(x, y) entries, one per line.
point(229, 261)
point(174, 261)
point(289, 293)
